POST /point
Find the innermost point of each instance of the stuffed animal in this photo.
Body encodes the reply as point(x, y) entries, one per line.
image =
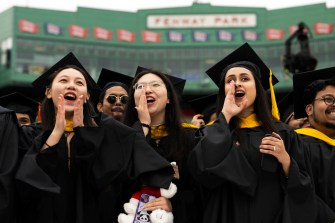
point(156, 216)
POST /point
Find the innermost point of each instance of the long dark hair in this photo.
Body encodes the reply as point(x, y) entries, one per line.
point(261, 104)
point(176, 139)
point(48, 113)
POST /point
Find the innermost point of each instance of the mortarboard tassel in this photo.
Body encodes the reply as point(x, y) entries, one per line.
point(39, 120)
point(275, 111)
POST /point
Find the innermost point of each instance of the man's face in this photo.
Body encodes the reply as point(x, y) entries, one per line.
point(115, 109)
point(322, 115)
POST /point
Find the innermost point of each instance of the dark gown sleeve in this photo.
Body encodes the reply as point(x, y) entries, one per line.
point(125, 154)
point(240, 186)
point(215, 160)
point(321, 158)
point(30, 170)
point(299, 196)
point(188, 202)
point(8, 161)
point(27, 134)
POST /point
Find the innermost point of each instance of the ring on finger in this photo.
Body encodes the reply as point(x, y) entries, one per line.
point(274, 148)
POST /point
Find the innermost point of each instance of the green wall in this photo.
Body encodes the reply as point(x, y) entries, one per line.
point(32, 53)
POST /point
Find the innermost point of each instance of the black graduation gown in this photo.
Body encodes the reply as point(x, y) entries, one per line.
point(27, 134)
point(100, 157)
point(239, 190)
point(187, 202)
point(8, 162)
point(322, 160)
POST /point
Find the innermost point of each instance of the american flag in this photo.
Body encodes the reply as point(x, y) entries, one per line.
point(199, 36)
point(249, 35)
point(53, 29)
point(27, 26)
point(125, 35)
point(149, 36)
point(175, 36)
point(78, 31)
point(275, 34)
point(225, 36)
point(323, 28)
point(101, 33)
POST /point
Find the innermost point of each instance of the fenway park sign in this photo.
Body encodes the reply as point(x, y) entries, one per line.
point(201, 21)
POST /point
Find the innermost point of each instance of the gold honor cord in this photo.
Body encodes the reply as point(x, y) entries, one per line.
point(275, 111)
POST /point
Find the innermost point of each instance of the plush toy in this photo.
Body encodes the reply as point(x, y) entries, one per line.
point(156, 216)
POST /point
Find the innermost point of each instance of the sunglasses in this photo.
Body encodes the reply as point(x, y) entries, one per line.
point(113, 98)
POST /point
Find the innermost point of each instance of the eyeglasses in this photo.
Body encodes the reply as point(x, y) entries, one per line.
point(152, 84)
point(113, 98)
point(328, 99)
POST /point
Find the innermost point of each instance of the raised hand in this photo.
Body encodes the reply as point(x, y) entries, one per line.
point(197, 120)
point(59, 127)
point(78, 112)
point(230, 107)
point(60, 122)
point(142, 109)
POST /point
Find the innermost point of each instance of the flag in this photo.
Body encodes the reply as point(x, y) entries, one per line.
point(323, 28)
point(293, 28)
point(124, 35)
point(27, 26)
point(53, 29)
point(101, 33)
point(225, 36)
point(249, 35)
point(78, 31)
point(175, 36)
point(149, 36)
point(199, 36)
point(275, 34)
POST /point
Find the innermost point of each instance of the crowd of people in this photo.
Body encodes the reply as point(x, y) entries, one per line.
point(81, 154)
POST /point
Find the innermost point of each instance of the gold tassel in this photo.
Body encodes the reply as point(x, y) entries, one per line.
point(275, 111)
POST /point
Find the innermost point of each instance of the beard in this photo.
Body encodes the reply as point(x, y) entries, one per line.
point(326, 124)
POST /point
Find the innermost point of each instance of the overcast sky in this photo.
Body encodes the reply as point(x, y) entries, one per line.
point(134, 5)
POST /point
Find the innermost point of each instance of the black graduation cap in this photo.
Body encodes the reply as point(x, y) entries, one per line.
point(243, 53)
point(200, 104)
point(20, 104)
point(286, 106)
point(301, 81)
point(107, 76)
point(69, 59)
point(177, 82)
point(205, 105)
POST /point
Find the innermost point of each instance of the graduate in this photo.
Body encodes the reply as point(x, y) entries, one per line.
point(153, 109)
point(25, 108)
point(26, 113)
point(8, 163)
point(205, 108)
point(315, 98)
point(73, 161)
point(114, 95)
point(286, 110)
point(251, 164)
point(111, 102)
